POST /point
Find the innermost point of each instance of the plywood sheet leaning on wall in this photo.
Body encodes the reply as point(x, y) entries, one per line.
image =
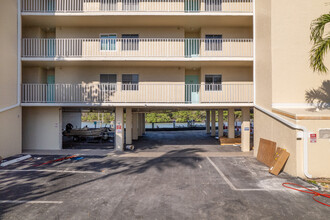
point(266, 152)
point(280, 158)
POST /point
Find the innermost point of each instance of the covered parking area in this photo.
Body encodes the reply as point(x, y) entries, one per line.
point(208, 139)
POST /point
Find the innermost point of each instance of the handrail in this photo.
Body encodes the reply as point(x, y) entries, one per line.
point(137, 93)
point(137, 47)
point(126, 6)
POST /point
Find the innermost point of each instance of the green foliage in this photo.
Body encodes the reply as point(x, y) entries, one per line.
point(180, 116)
point(321, 43)
point(92, 116)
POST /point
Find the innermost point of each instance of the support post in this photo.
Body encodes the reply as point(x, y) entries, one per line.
point(135, 127)
point(140, 124)
point(220, 123)
point(129, 121)
point(119, 129)
point(144, 123)
point(245, 130)
point(231, 123)
point(207, 122)
point(213, 123)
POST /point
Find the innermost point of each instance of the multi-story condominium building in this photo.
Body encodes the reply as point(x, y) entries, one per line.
point(61, 57)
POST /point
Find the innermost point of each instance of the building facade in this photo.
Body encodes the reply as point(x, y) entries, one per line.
point(135, 56)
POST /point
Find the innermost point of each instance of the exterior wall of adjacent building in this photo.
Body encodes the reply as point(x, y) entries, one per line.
point(10, 129)
point(42, 128)
point(283, 75)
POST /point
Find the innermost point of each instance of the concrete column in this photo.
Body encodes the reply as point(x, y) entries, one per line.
point(119, 129)
point(129, 128)
point(140, 125)
point(245, 130)
point(207, 122)
point(231, 123)
point(135, 127)
point(144, 123)
point(213, 123)
point(220, 123)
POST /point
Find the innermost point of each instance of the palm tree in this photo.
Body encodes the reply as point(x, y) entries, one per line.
point(321, 43)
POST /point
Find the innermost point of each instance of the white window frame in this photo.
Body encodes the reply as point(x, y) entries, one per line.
point(212, 90)
point(137, 84)
point(113, 34)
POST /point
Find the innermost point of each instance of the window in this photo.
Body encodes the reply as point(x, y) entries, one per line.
point(213, 82)
point(108, 42)
point(130, 5)
point(108, 81)
point(213, 5)
point(108, 5)
point(130, 42)
point(213, 42)
point(130, 82)
point(108, 78)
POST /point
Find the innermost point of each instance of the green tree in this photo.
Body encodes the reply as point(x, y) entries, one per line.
point(321, 43)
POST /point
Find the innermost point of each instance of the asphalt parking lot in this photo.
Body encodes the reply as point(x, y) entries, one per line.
point(179, 184)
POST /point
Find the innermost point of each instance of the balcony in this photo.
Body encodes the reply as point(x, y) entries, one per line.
point(137, 94)
point(161, 49)
point(133, 6)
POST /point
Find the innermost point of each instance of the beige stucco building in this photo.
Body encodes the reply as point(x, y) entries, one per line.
point(131, 57)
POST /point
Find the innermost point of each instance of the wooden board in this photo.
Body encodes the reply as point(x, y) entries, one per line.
point(280, 158)
point(229, 141)
point(266, 152)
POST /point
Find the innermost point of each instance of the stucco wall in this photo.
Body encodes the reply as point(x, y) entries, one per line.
point(71, 117)
point(146, 75)
point(268, 128)
point(263, 65)
point(42, 128)
point(10, 132)
point(8, 53)
point(319, 163)
point(290, 32)
point(10, 129)
point(91, 32)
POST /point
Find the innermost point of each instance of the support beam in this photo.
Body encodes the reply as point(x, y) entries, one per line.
point(220, 123)
point(119, 129)
point(207, 122)
point(213, 123)
point(129, 127)
point(140, 125)
point(245, 130)
point(135, 127)
point(231, 123)
point(144, 123)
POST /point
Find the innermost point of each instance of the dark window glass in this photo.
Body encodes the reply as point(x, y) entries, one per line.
point(130, 42)
point(130, 82)
point(108, 78)
point(213, 42)
point(213, 82)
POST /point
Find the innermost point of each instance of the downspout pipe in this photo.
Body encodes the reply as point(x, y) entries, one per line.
point(18, 60)
point(294, 126)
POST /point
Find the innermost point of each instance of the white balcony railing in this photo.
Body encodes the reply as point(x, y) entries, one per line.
point(71, 6)
point(139, 47)
point(138, 93)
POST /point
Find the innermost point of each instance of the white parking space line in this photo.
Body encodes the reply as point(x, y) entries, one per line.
point(30, 202)
point(231, 185)
point(53, 171)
